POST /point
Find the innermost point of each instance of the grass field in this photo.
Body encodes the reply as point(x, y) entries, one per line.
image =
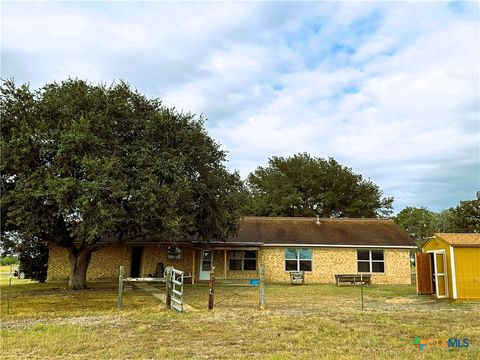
point(300, 322)
point(5, 269)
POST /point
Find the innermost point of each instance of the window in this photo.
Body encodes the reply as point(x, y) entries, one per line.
point(174, 253)
point(298, 259)
point(370, 261)
point(243, 260)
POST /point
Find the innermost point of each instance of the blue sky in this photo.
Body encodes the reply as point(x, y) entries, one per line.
point(391, 89)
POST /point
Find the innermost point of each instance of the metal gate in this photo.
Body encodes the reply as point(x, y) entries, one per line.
point(177, 289)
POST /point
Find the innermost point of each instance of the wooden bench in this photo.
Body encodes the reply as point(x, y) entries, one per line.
point(365, 279)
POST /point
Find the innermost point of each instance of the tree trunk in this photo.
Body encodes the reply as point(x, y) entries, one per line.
point(79, 261)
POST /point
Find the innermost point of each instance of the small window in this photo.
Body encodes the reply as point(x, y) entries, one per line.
point(290, 254)
point(243, 260)
point(378, 267)
point(305, 265)
point(236, 258)
point(298, 259)
point(291, 265)
point(363, 255)
point(370, 261)
point(363, 267)
point(377, 255)
point(174, 253)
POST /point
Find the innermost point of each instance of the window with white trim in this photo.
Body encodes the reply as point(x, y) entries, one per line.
point(298, 259)
point(243, 260)
point(370, 261)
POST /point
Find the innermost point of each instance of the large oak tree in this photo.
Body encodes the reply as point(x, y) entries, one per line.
point(302, 185)
point(86, 166)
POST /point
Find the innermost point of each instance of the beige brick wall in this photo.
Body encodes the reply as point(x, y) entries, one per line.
point(326, 263)
point(58, 266)
point(397, 268)
point(103, 265)
point(105, 262)
point(152, 255)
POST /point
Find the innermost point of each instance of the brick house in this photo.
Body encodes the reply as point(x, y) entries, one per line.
point(320, 247)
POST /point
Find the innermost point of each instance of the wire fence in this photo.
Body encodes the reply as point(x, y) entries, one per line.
point(241, 295)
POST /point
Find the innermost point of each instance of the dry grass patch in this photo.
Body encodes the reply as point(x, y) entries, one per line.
point(300, 322)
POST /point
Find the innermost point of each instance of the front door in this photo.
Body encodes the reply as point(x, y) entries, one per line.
point(136, 264)
point(206, 261)
point(440, 274)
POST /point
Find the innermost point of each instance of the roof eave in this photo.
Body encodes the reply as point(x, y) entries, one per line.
point(344, 246)
point(465, 245)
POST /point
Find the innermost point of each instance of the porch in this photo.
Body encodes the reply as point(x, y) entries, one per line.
point(228, 262)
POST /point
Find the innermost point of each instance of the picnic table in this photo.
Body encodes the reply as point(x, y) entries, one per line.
point(353, 279)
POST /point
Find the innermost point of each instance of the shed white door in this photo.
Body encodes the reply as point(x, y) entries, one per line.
point(440, 273)
point(205, 265)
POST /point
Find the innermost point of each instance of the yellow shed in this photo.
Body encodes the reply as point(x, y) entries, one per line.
point(449, 266)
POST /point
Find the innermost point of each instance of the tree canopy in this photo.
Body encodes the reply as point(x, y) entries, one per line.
point(466, 216)
point(85, 166)
point(422, 223)
point(302, 185)
point(419, 223)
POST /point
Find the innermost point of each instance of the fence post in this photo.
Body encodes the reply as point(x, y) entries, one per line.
point(121, 275)
point(262, 287)
point(210, 291)
point(361, 288)
point(168, 288)
point(9, 294)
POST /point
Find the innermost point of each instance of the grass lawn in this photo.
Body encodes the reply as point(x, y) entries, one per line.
point(300, 322)
point(5, 269)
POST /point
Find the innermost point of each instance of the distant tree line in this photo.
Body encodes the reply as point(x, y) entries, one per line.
point(8, 260)
point(422, 223)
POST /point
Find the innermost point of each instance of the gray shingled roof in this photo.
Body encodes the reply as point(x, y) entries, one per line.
point(336, 232)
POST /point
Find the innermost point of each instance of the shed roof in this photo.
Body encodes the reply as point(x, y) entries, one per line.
point(460, 239)
point(327, 232)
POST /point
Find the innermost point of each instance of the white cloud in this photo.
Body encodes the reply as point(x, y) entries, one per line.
point(391, 89)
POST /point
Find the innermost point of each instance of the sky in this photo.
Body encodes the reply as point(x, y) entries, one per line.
point(390, 89)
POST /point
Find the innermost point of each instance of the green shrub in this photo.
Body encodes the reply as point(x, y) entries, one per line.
point(33, 256)
point(8, 260)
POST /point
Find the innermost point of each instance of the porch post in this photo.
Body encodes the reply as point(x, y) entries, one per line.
point(193, 267)
point(225, 263)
